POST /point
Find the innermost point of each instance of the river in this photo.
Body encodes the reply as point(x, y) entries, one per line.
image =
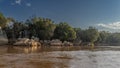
point(56, 57)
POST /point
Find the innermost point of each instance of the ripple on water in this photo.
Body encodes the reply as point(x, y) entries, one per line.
point(60, 59)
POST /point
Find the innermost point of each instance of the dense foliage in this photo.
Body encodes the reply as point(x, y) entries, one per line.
point(89, 35)
point(43, 28)
point(46, 29)
point(64, 32)
point(3, 20)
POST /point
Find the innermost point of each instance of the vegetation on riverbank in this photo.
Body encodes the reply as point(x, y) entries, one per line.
point(46, 29)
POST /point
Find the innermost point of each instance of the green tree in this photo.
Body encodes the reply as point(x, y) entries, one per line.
point(113, 38)
point(64, 32)
point(17, 29)
point(103, 35)
point(89, 35)
point(3, 20)
point(78, 31)
point(43, 28)
point(93, 34)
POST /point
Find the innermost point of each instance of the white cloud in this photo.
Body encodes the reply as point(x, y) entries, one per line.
point(21, 2)
point(115, 25)
point(18, 2)
point(28, 4)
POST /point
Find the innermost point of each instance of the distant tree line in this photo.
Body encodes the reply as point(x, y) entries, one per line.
point(46, 29)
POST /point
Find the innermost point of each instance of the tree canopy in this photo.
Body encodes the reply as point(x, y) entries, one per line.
point(64, 31)
point(3, 20)
point(46, 29)
point(89, 35)
point(41, 27)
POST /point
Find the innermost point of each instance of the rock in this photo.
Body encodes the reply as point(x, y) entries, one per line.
point(65, 43)
point(34, 43)
point(3, 41)
point(46, 42)
point(35, 38)
point(56, 43)
point(77, 43)
point(86, 44)
point(26, 42)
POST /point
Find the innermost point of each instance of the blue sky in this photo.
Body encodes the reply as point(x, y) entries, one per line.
point(103, 14)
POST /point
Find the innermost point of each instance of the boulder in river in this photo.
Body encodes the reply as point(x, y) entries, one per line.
point(56, 42)
point(65, 43)
point(27, 42)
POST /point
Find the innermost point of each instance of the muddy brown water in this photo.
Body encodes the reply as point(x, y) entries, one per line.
point(57, 57)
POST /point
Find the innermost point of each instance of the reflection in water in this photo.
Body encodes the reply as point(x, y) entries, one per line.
point(41, 64)
point(22, 49)
point(37, 49)
point(54, 63)
point(36, 57)
point(30, 49)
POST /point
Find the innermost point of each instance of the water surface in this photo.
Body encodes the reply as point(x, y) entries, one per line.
point(67, 57)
